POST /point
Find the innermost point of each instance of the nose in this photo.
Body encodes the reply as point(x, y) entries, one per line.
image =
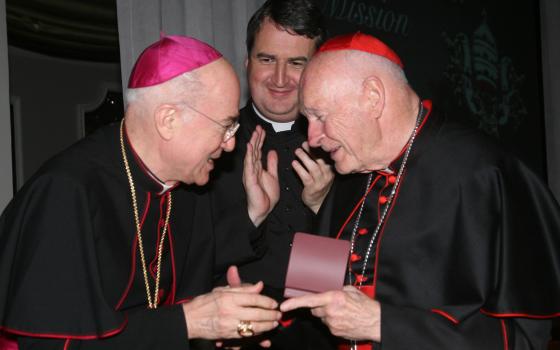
point(314, 133)
point(280, 78)
point(229, 145)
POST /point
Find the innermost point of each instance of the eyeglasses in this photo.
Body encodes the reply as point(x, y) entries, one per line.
point(230, 130)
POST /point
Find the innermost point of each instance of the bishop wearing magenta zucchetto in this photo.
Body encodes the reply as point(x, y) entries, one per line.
point(109, 245)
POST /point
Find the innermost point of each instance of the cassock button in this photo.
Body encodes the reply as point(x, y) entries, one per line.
point(392, 179)
point(363, 231)
point(355, 257)
point(382, 199)
point(361, 278)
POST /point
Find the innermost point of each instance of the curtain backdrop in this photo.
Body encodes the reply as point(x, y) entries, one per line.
point(550, 28)
point(221, 23)
point(6, 181)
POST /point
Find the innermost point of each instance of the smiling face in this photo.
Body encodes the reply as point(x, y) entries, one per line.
point(341, 119)
point(274, 68)
point(198, 141)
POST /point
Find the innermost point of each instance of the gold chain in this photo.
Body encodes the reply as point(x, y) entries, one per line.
point(151, 304)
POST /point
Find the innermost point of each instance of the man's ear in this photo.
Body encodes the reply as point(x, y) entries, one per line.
point(374, 95)
point(167, 119)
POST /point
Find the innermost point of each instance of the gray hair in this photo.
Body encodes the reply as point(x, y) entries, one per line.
point(183, 88)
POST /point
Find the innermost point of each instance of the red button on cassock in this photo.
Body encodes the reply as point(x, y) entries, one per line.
point(382, 199)
point(361, 278)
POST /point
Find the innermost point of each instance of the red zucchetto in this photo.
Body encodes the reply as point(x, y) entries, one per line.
point(168, 58)
point(361, 42)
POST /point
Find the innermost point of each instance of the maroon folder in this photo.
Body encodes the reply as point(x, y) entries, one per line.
point(317, 264)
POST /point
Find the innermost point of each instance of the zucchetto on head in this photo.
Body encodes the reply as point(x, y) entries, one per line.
point(168, 58)
point(361, 42)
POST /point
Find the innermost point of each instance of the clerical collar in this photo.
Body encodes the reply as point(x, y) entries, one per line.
point(278, 127)
point(160, 185)
point(164, 187)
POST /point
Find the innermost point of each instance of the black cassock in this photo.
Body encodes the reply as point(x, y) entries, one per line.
point(70, 269)
point(288, 216)
point(468, 255)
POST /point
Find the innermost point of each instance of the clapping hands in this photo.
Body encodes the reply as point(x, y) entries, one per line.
point(261, 185)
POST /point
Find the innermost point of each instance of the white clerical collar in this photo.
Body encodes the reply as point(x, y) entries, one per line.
point(164, 187)
point(278, 127)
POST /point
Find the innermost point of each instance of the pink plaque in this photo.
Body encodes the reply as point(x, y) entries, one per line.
point(317, 264)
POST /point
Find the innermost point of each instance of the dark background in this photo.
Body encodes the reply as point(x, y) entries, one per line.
point(479, 60)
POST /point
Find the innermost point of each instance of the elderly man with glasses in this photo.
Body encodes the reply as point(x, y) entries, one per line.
point(110, 246)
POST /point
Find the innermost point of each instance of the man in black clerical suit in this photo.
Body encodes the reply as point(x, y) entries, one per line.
point(454, 240)
point(109, 245)
point(282, 36)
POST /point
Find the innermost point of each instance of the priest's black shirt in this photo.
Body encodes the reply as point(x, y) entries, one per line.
point(290, 215)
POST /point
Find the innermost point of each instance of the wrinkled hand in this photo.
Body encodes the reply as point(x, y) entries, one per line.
point(215, 315)
point(348, 312)
point(261, 185)
point(234, 280)
point(316, 175)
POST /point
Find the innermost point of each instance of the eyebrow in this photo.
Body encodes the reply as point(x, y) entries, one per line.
point(299, 58)
point(290, 59)
point(265, 55)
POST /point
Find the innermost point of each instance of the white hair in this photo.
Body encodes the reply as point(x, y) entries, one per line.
point(183, 88)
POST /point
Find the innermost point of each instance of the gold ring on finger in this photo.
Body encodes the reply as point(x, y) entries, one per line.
point(245, 329)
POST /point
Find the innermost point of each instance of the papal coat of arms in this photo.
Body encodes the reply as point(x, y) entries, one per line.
point(484, 82)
